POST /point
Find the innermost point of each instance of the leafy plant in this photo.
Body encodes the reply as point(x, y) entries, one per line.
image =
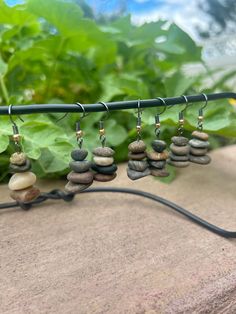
point(51, 53)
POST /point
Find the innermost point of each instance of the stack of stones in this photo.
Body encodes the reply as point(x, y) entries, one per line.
point(199, 147)
point(22, 182)
point(103, 165)
point(80, 178)
point(179, 156)
point(157, 159)
point(137, 165)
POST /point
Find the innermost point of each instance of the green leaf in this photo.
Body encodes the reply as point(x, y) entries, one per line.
point(3, 67)
point(4, 142)
point(178, 84)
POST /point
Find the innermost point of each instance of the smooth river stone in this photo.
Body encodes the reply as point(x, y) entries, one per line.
point(137, 147)
point(83, 177)
point(80, 166)
point(25, 195)
point(76, 188)
point(180, 150)
point(157, 164)
point(198, 151)
point(138, 165)
point(158, 145)
point(178, 158)
point(159, 172)
point(79, 154)
point(198, 143)
point(157, 156)
point(135, 175)
point(178, 164)
point(104, 177)
point(19, 169)
point(103, 161)
point(179, 140)
point(18, 159)
point(103, 151)
point(104, 169)
point(200, 135)
point(20, 181)
point(137, 156)
point(203, 160)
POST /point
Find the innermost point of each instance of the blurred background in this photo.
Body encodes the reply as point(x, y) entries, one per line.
point(88, 51)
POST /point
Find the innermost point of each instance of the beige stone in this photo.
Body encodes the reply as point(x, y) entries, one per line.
point(25, 195)
point(21, 181)
point(103, 161)
point(18, 159)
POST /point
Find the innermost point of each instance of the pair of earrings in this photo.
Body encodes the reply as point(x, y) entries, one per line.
point(184, 151)
point(84, 172)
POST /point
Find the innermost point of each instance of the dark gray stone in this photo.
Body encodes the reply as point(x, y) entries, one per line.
point(20, 169)
point(179, 140)
point(79, 154)
point(135, 175)
point(178, 158)
point(179, 150)
point(138, 165)
point(202, 160)
point(103, 151)
point(82, 177)
point(137, 147)
point(157, 164)
point(80, 166)
point(159, 146)
point(198, 151)
point(178, 164)
point(76, 188)
point(199, 143)
point(104, 169)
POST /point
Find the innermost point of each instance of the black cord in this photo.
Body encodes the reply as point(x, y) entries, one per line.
point(58, 194)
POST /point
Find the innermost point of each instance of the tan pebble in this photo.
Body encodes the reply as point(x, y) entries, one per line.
point(198, 151)
point(83, 177)
point(137, 147)
point(103, 161)
point(104, 177)
point(103, 151)
point(179, 150)
point(200, 135)
point(18, 159)
point(20, 181)
point(159, 173)
point(137, 156)
point(76, 188)
point(157, 156)
point(25, 195)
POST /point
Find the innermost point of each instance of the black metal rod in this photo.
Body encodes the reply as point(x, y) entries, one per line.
point(117, 105)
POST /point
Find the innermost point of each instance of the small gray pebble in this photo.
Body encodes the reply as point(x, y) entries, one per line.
point(80, 166)
point(203, 160)
point(157, 164)
point(19, 169)
point(104, 169)
point(178, 158)
point(76, 188)
point(159, 146)
point(103, 151)
point(79, 154)
point(138, 165)
point(178, 164)
point(137, 147)
point(199, 143)
point(198, 151)
point(180, 150)
point(135, 175)
point(179, 140)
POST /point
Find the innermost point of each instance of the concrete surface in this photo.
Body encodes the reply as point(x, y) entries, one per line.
point(113, 253)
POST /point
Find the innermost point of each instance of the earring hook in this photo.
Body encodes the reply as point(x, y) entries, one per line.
point(165, 105)
point(107, 109)
point(186, 101)
point(10, 115)
point(206, 101)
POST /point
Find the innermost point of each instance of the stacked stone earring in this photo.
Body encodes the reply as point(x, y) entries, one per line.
point(22, 181)
point(137, 165)
point(103, 160)
point(199, 143)
point(80, 177)
point(157, 158)
point(179, 155)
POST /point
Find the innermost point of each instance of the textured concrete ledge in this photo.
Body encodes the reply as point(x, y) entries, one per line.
point(113, 253)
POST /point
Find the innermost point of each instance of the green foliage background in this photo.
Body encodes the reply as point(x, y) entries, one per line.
point(51, 53)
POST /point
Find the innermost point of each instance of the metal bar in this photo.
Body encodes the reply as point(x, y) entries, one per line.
point(118, 105)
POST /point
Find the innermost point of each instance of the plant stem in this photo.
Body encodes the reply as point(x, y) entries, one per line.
point(4, 90)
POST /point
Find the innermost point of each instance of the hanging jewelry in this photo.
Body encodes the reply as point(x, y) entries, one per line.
point(80, 177)
point(22, 181)
point(179, 155)
point(199, 143)
point(137, 165)
point(157, 158)
point(103, 160)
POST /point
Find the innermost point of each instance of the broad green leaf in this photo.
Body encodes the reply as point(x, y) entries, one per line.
point(4, 142)
point(3, 67)
point(178, 83)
